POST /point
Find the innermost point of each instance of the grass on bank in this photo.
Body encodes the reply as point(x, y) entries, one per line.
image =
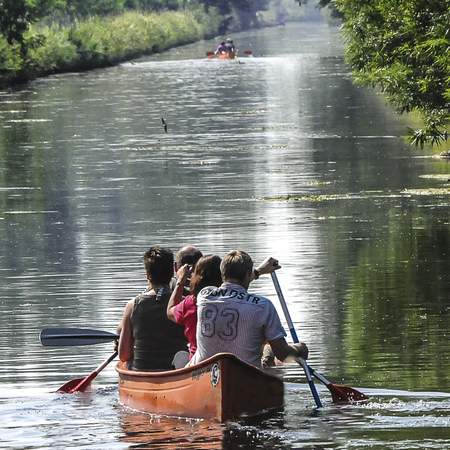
point(101, 41)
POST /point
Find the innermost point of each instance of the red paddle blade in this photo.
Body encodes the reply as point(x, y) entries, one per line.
point(77, 385)
point(67, 387)
point(209, 54)
point(345, 394)
point(248, 52)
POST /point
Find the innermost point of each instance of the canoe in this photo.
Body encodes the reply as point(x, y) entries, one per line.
point(226, 55)
point(220, 388)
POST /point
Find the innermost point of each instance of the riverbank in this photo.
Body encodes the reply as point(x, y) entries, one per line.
point(101, 41)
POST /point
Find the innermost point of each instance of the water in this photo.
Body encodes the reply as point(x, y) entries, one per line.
point(280, 155)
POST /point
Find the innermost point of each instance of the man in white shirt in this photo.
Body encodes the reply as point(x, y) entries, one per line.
point(232, 320)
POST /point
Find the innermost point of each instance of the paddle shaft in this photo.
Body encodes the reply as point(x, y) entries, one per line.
point(308, 371)
point(284, 308)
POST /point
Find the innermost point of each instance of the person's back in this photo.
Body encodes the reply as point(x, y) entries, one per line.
point(232, 320)
point(156, 339)
point(229, 47)
point(235, 321)
point(148, 340)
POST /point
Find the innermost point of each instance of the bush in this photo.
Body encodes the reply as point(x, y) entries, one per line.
point(114, 39)
point(49, 49)
point(10, 61)
point(101, 41)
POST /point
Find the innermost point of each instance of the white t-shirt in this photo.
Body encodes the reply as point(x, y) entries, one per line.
point(232, 320)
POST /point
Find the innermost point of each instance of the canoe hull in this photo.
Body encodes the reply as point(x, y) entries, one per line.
point(226, 55)
point(220, 388)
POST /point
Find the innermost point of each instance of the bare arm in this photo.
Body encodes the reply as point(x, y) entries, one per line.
point(282, 350)
point(269, 265)
point(126, 340)
point(177, 294)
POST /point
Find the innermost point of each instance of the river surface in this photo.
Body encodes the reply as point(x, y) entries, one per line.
point(279, 154)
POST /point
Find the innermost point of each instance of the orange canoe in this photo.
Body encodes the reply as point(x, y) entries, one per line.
point(220, 388)
point(226, 55)
point(221, 55)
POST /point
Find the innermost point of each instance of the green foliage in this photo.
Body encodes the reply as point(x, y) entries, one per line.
point(210, 21)
point(10, 59)
point(49, 49)
point(17, 15)
point(113, 39)
point(93, 33)
point(242, 12)
point(98, 41)
point(402, 46)
point(156, 5)
point(85, 8)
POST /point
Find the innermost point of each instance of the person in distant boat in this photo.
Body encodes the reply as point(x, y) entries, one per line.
point(226, 46)
point(186, 255)
point(184, 310)
point(220, 48)
point(229, 46)
point(148, 340)
point(230, 319)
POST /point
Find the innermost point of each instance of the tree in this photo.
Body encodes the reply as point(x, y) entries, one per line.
point(17, 15)
point(402, 47)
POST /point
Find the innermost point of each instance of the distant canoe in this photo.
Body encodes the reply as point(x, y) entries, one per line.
point(226, 55)
point(220, 388)
point(221, 55)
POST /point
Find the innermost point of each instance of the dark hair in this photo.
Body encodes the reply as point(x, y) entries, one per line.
point(206, 273)
point(188, 255)
point(236, 264)
point(158, 262)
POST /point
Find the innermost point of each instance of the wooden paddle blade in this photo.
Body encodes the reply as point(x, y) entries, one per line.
point(345, 394)
point(81, 384)
point(77, 384)
point(84, 384)
point(55, 337)
point(67, 387)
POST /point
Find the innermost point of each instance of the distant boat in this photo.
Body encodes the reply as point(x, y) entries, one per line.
point(227, 55)
point(221, 55)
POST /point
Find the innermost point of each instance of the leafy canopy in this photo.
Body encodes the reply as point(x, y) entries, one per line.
point(403, 47)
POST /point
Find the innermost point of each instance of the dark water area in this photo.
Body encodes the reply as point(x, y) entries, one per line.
point(279, 154)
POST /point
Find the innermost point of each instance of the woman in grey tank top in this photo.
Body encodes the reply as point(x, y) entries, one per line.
point(148, 340)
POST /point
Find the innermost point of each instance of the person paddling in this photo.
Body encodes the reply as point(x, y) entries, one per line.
point(148, 340)
point(229, 46)
point(184, 310)
point(226, 46)
point(230, 319)
point(188, 254)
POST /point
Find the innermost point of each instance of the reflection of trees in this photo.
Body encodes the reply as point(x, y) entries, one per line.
point(395, 290)
point(40, 236)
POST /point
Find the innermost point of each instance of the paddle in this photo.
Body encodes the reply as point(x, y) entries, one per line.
point(339, 393)
point(56, 337)
point(81, 384)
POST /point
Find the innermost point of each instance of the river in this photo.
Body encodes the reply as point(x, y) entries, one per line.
point(279, 154)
